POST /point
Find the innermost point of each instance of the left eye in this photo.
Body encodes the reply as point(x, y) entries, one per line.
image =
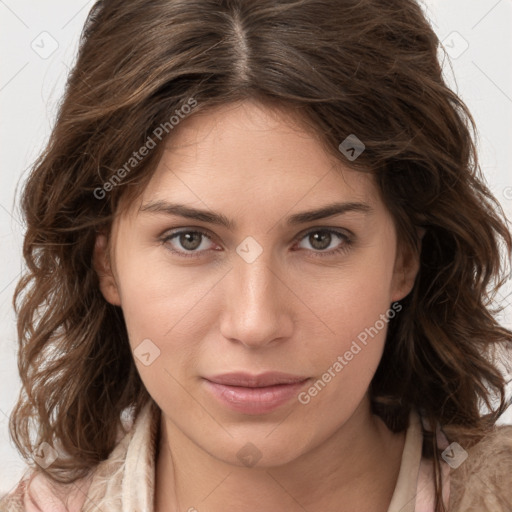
point(321, 239)
point(192, 241)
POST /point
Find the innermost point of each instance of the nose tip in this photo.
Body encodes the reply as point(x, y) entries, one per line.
point(257, 311)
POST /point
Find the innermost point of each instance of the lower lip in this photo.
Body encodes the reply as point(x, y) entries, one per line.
point(254, 400)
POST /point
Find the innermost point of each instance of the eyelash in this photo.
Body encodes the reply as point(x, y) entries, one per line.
point(343, 248)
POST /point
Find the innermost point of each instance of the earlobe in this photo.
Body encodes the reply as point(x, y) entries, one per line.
point(101, 264)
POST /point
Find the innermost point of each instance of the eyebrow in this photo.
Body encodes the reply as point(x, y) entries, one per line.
point(181, 210)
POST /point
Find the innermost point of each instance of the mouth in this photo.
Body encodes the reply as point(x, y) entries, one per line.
point(254, 394)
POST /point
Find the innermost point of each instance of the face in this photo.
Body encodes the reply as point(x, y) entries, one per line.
point(265, 291)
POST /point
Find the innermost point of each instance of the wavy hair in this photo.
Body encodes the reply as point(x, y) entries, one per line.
point(364, 67)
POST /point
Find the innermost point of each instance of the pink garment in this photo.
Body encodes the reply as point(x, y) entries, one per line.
point(43, 497)
point(125, 481)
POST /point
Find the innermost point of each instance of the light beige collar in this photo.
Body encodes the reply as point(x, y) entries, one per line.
point(125, 482)
point(414, 490)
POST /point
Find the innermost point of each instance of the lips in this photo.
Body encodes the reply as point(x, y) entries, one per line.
point(247, 380)
point(254, 394)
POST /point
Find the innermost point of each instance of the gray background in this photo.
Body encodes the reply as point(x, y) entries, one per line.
point(38, 42)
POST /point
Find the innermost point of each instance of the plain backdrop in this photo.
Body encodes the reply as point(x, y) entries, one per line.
point(38, 42)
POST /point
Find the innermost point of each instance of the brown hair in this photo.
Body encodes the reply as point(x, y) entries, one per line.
point(365, 67)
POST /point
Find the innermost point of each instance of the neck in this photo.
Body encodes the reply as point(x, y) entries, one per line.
point(357, 467)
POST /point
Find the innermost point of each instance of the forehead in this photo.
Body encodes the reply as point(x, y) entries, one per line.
point(252, 142)
point(251, 156)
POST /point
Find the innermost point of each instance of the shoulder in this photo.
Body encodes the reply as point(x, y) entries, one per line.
point(37, 493)
point(482, 482)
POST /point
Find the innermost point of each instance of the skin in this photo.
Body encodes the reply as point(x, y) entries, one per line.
point(290, 310)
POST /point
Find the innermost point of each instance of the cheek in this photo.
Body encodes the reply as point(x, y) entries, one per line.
point(157, 312)
point(345, 362)
point(356, 308)
point(359, 295)
point(167, 304)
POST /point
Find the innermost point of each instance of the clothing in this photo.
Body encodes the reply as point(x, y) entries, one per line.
point(125, 481)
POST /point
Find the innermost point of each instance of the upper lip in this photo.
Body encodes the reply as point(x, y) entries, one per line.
point(256, 381)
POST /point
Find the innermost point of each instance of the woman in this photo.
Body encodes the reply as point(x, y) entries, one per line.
point(262, 254)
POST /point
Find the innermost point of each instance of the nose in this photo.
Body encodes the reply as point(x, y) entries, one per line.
point(258, 307)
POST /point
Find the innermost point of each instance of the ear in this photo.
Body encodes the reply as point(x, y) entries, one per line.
point(407, 265)
point(101, 264)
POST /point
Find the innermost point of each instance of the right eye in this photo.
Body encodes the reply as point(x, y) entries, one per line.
point(186, 242)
